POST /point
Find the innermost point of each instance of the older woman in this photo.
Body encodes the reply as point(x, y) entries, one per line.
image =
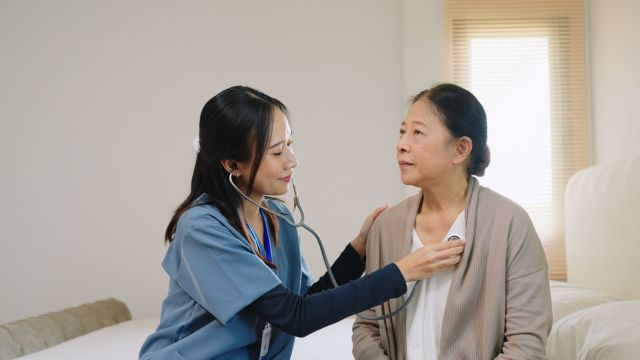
point(495, 303)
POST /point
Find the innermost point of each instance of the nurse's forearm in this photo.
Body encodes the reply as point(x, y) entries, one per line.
point(301, 315)
point(348, 266)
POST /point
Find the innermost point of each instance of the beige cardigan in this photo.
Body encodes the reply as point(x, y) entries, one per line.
point(499, 302)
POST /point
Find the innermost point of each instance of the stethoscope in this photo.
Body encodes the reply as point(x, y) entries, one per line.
point(300, 223)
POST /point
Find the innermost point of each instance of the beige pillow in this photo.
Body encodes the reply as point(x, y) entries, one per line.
point(26, 336)
point(8, 347)
point(70, 326)
point(48, 329)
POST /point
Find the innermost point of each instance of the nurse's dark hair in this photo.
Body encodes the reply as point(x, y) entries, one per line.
point(233, 125)
point(461, 112)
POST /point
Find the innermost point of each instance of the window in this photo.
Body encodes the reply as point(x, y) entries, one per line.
point(524, 60)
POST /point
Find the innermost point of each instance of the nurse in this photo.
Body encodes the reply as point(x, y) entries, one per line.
point(239, 287)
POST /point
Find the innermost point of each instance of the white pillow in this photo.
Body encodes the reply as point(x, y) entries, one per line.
point(567, 298)
point(607, 331)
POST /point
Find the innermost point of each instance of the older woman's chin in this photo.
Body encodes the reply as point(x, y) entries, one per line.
point(407, 180)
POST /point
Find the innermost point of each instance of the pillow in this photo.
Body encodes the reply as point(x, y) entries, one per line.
point(70, 326)
point(8, 347)
point(607, 331)
point(567, 298)
point(48, 329)
point(26, 336)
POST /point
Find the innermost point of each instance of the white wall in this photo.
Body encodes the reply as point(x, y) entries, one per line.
point(423, 45)
point(423, 50)
point(99, 103)
point(614, 53)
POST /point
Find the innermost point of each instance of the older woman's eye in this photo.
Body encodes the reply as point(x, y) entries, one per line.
point(417, 132)
point(402, 131)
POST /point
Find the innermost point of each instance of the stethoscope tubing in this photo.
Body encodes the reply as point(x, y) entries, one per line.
point(302, 224)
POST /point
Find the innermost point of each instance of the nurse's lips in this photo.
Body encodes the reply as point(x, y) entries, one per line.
point(286, 178)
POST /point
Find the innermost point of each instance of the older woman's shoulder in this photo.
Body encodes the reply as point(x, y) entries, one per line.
point(399, 211)
point(502, 205)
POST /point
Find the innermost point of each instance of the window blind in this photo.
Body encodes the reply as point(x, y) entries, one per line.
point(525, 61)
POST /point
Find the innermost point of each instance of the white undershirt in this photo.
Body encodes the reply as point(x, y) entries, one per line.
point(425, 312)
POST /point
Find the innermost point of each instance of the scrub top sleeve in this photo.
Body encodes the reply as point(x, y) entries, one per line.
point(220, 272)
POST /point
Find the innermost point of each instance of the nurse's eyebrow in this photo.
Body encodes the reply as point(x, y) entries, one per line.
point(276, 144)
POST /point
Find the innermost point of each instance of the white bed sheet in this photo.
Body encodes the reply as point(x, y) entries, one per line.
point(332, 342)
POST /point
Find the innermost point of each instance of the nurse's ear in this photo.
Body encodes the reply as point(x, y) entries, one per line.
point(463, 146)
point(230, 166)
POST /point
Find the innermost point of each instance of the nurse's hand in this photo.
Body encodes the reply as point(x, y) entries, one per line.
point(430, 259)
point(360, 242)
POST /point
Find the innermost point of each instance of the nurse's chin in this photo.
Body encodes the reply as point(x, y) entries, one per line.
point(280, 190)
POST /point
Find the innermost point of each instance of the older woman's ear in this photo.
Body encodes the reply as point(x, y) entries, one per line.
point(463, 148)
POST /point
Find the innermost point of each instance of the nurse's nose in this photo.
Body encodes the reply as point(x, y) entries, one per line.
point(290, 161)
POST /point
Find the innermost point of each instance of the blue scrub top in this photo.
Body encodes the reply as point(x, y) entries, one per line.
point(213, 275)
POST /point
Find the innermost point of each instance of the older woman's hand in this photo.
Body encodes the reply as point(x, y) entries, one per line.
point(360, 241)
point(430, 259)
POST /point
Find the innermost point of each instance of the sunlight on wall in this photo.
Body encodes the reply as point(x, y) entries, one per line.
point(510, 77)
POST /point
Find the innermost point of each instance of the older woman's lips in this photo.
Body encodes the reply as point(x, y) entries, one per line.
point(404, 164)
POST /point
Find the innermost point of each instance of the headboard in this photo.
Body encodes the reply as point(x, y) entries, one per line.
point(602, 234)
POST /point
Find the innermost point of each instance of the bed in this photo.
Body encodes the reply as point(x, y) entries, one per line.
point(122, 341)
point(596, 314)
